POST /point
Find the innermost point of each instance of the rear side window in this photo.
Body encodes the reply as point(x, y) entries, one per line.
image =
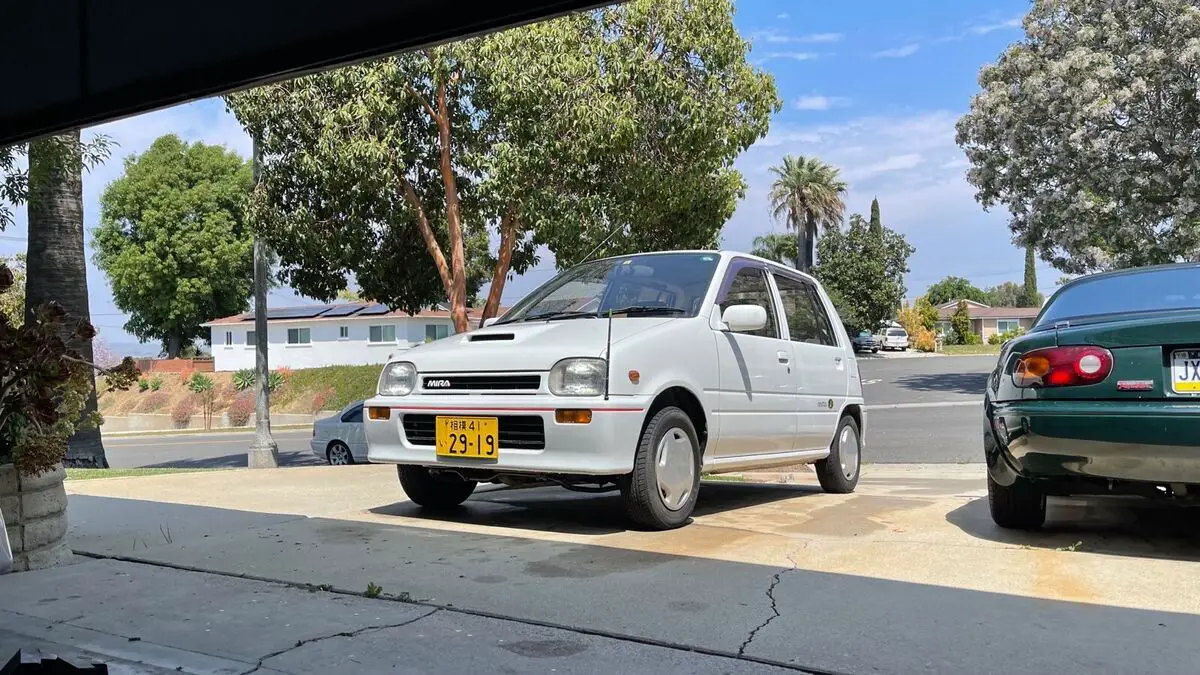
point(806, 316)
point(896, 332)
point(355, 415)
point(1147, 291)
point(748, 286)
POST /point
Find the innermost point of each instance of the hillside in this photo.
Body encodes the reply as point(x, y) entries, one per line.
point(298, 391)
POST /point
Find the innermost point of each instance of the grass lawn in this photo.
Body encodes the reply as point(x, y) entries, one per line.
point(88, 474)
point(958, 350)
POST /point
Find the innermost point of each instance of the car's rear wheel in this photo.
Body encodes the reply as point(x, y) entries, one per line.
point(661, 492)
point(838, 473)
point(434, 490)
point(338, 454)
point(1020, 506)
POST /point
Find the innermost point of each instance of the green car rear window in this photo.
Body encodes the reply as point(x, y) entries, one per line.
point(1149, 291)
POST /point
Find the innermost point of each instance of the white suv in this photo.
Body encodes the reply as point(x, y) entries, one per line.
point(635, 373)
point(894, 338)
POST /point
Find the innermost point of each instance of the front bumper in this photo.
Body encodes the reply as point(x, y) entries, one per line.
point(603, 447)
point(1141, 441)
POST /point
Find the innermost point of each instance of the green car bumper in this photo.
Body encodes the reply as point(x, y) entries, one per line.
point(1141, 441)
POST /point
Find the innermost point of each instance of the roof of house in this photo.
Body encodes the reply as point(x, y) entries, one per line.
point(978, 310)
point(342, 311)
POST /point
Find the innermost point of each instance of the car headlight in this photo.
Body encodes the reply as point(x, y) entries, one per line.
point(578, 377)
point(398, 379)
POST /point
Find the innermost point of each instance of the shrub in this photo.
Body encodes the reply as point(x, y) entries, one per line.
point(924, 340)
point(322, 397)
point(972, 339)
point(240, 410)
point(153, 402)
point(349, 383)
point(156, 383)
point(1002, 338)
point(143, 384)
point(181, 414)
point(243, 379)
point(274, 380)
point(199, 383)
point(285, 373)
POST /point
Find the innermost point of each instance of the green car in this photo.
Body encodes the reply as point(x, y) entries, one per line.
point(1101, 397)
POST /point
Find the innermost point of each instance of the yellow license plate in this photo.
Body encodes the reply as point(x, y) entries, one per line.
point(468, 437)
point(1185, 371)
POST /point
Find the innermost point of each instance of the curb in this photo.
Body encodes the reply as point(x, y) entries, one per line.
point(188, 432)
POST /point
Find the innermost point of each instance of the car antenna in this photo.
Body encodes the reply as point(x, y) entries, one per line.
point(608, 354)
point(592, 252)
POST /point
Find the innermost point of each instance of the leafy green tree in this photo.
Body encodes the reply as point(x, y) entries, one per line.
point(778, 247)
point(605, 131)
point(12, 300)
point(173, 240)
point(927, 312)
point(1030, 297)
point(876, 221)
point(953, 288)
point(807, 195)
point(960, 322)
point(1007, 294)
point(863, 273)
point(1085, 132)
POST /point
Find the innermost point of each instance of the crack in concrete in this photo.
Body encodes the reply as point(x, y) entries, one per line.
point(741, 652)
point(340, 634)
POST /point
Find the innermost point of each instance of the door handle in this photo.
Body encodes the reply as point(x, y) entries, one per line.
point(783, 357)
point(837, 362)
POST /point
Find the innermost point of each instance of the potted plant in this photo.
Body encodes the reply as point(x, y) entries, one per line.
point(44, 384)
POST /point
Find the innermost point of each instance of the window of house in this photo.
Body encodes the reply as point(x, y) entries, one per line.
point(806, 317)
point(228, 338)
point(436, 331)
point(386, 333)
point(944, 327)
point(251, 340)
point(748, 286)
point(298, 336)
point(343, 332)
point(1006, 325)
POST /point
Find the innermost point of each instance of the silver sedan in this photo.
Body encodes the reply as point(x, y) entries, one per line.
point(339, 439)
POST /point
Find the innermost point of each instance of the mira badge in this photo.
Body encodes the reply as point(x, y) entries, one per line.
point(1135, 385)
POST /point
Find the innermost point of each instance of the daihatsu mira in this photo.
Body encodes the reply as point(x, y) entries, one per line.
point(635, 373)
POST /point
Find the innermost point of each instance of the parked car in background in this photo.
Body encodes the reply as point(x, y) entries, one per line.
point(339, 439)
point(1101, 397)
point(635, 373)
point(866, 342)
point(894, 339)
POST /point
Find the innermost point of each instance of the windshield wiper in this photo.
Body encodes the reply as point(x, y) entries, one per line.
point(558, 316)
point(645, 309)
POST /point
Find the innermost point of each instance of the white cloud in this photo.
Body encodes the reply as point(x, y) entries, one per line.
point(782, 17)
point(985, 28)
point(772, 36)
point(819, 102)
point(898, 52)
point(894, 163)
point(795, 56)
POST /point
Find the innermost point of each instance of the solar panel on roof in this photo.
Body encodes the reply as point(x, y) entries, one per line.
point(296, 312)
point(375, 309)
point(342, 310)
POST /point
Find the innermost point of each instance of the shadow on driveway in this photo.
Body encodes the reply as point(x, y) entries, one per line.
point(237, 460)
point(556, 509)
point(1112, 526)
point(949, 383)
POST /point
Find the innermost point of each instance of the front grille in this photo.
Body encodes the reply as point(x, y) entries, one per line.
point(523, 432)
point(436, 383)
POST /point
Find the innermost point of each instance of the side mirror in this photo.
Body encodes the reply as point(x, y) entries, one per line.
point(488, 322)
point(744, 318)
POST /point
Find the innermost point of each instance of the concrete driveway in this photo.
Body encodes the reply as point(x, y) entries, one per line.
point(907, 575)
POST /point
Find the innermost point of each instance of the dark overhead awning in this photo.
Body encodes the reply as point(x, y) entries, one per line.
point(74, 63)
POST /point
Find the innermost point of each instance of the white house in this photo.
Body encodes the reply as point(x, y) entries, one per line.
point(355, 333)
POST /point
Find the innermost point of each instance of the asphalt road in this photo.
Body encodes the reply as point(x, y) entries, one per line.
point(920, 410)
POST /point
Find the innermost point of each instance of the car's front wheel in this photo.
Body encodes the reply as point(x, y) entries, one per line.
point(1020, 506)
point(434, 490)
point(838, 473)
point(661, 492)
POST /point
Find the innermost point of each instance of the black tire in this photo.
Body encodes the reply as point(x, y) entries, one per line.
point(874, 351)
point(1020, 506)
point(830, 473)
point(644, 501)
point(434, 491)
point(334, 448)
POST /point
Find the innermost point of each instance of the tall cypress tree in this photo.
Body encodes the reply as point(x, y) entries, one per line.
point(1031, 297)
point(877, 223)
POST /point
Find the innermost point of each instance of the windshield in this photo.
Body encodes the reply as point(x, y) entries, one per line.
point(661, 283)
point(1147, 291)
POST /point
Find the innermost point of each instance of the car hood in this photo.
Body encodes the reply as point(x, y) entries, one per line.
point(532, 346)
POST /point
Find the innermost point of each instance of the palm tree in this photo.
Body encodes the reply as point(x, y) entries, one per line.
point(807, 195)
point(778, 247)
point(56, 267)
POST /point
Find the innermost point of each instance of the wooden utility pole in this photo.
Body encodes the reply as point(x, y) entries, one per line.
point(264, 453)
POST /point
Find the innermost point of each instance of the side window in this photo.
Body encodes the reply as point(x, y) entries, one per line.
point(806, 316)
point(748, 286)
point(355, 415)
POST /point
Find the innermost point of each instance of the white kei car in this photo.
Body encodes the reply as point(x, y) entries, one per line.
point(634, 373)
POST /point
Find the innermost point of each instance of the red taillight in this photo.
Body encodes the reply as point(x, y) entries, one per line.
point(1063, 367)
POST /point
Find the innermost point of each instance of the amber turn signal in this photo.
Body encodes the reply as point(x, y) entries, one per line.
point(379, 413)
point(568, 416)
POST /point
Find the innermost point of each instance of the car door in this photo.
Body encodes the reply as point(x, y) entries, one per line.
point(352, 432)
point(757, 392)
point(821, 363)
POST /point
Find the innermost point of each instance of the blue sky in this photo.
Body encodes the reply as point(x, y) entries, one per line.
point(872, 87)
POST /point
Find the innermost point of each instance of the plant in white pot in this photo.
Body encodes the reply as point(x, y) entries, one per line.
point(44, 385)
